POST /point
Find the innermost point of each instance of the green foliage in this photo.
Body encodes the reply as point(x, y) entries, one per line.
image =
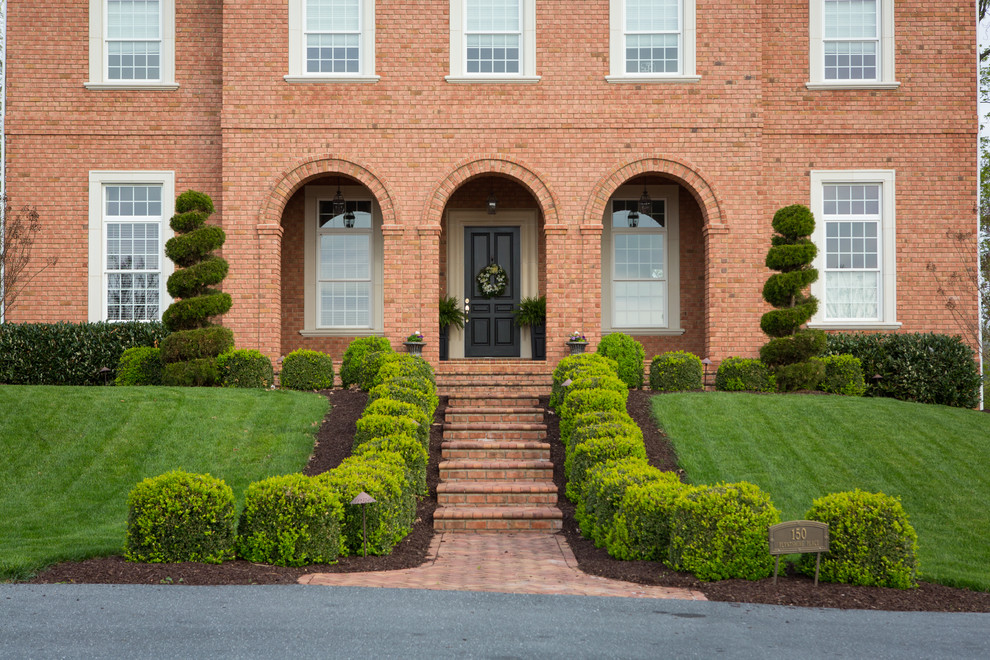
point(582, 457)
point(183, 223)
point(392, 408)
point(800, 376)
point(641, 528)
point(628, 353)
point(787, 257)
point(379, 426)
point(597, 424)
point(532, 312)
point(871, 541)
point(843, 375)
point(720, 532)
point(794, 221)
point(245, 368)
point(202, 372)
point(371, 362)
point(178, 517)
point(383, 476)
point(206, 342)
point(393, 390)
point(403, 365)
point(737, 374)
point(799, 347)
point(786, 321)
point(303, 369)
point(676, 371)
point(193, 247)
point(412, 451)
point(196, 278)
point(450, 313)
point(603, 381)
point(193, 313)
point(69, 353)
point(141, 365)
point(192, 200)
point(352, 365)
point(604, 486)
point(569, 368)
point(791, 254)
point(781, 287)
point(290, 520)
point(926, 368)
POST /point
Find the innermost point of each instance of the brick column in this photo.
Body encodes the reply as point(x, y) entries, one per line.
point(397, 284)
point(269, 294)
point(428, 293)
point(560, 290)
point(590, 283)
point(718, 340)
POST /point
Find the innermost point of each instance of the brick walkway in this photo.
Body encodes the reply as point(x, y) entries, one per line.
point(522, 563)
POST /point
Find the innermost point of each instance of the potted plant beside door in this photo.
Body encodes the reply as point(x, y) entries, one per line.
point(451, 314)
point(532, 313)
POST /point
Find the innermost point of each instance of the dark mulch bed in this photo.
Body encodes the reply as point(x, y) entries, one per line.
point(333, 444)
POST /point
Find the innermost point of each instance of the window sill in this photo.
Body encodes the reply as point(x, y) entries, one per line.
point(517, 80)
point(143, 87)
point(872, 84)
point(648, 80)
point(647, 332)
point(330, 79)
point(867, 325)
point(343, 332)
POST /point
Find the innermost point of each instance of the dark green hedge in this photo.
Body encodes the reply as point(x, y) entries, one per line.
point(69, 353)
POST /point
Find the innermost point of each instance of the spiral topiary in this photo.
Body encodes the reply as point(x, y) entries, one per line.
point(194, 337)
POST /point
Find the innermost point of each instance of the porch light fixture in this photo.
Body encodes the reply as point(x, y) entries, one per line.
point(349, 219)
point(492, 201)
point(645, 203)
point(632, 219)
point(339, 205)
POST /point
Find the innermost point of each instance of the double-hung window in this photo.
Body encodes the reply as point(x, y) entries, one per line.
point(854, 233)
point(128, 230)
point(652, 40)
point(132, 44)
point(852, 43)
point(331, 41)
point(492, 40)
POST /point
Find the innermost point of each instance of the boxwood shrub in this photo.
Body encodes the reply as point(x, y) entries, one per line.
point(403, 365)
point(141, 365)
point(604, 486)
point(676, 371)
point(411, 450)
point(720, 532)
point(197, 343)
point(203, 372)
point(592, 451)
point(570, 366)
point(350, 368)
point(871, 541)
point(628, 353)
point(843, 375)
point(581, 401)
point(641, 528)
point(393, 408)
point(376, 426)
point(737, 374)
point(246, 368)
point(572, 423)
point(290, 520)
point(370, 364)
point(306, 370)
point(424, 401)
point(178, 516)
point(595, 429)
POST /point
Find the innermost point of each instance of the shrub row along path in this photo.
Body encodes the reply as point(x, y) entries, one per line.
point(497, 513)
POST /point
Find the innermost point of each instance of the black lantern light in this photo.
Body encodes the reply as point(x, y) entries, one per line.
point(349, 219)
point(492, 201)
point(645, 203)
point(339, 205)
point(632, 219)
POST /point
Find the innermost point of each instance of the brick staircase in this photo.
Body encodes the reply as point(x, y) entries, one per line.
point(495, 470)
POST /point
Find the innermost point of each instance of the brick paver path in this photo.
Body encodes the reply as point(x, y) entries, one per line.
point(522, 563)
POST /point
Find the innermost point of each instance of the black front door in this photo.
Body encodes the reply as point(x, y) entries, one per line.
point(491, 330)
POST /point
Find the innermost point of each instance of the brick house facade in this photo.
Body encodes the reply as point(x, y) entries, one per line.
point(566, 112)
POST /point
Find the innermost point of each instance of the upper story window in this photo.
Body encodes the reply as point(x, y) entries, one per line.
point(331, 41)
point(492, 41)
point(852, 44)
point(131, 44)
point(652, 41)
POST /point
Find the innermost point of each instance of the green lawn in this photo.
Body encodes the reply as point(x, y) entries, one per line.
point(797, 448)
point(70, 455)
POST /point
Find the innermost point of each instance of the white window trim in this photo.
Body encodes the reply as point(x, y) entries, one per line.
point(617, 48)
point(297, 48)
point(458, 66)
point(98, 179)
point(888, 247)
point(672, 261)
point(311, 260)
point(816, 55)
point(98, 58)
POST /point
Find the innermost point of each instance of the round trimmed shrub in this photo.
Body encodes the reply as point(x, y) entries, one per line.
point(351, 366)
point(676, 371)
point(141, 365)
point(582, 401)
point(178, 516)
point(194, 246)
point(403, 365)
point(641, 528)
point(598, 450)
point(871, 541)
point(290, 520)
point(306, 370)
point(393, 408)
point(568, 368)
point(423, 400)
point(802, 345)
point(628, 353)
point(720, 532)
point(194, 373)
point(737, 374)
point(245, 368)
point(378, 426)
point(409, 448)
point(568, 426)
point(191, 313)
point(196, 277)
point(843, 375)
point(593, 429)
point(604, 486)
point(207, 342)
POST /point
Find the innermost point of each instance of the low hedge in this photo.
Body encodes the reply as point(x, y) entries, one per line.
point(246, 368)
point(393, 408)
point(377, 426)
point(290, 520)
point(676, 371)
point(737, 374)
point(720, 532)
point(568, 426)
point(595, 429)
point(141, 365)
point(194, 373)
point(582, 401)
point(604, 486)
point(926, 368)
point(843, 375)
point(352, 364)
point(569, 367)
point(641, 528)
point(628, 353)
point(411, 450)
point(589, 453)
point(871, 541)
point(426, 402)
point(178, 516)
point(403, 365)
point(69, 353)
point(306, 370)
point(197, 343)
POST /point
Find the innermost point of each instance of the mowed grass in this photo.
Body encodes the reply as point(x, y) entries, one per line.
point(797, 448)
point(69, 456)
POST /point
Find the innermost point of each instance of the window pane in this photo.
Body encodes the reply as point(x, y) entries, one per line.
point(492, 16)
point(345, 304)
point(333, 15)
point(850, 19)
point(622, 208)
point(133, 297)
point(345, 257)
point(851, 60)
point(652, 53)
point(652, 15)
point(851, 200)
point(852, 295)
point(638, 256)
point(493, 53)
point(851, 249)
point(133, 19)
point(638, 304)
point(361, 211)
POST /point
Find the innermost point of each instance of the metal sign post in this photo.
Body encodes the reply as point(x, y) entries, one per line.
point(798, 536)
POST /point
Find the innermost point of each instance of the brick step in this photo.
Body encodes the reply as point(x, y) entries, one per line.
point(527, 414)
point(494, 449)
point(510, 519)
point(496, 470)
point(494, 431)
point(497, 493)
point(465, 399)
